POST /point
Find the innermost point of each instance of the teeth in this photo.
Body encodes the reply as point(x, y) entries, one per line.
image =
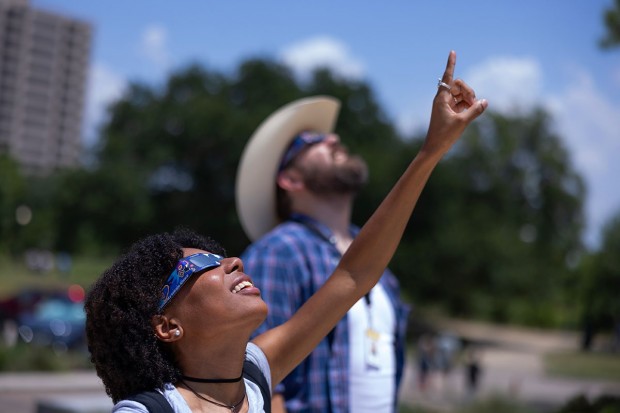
point(241, 286)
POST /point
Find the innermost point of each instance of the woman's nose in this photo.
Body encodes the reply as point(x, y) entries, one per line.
point(232, 264)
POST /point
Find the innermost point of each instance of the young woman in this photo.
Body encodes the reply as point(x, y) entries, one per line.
point(175, 316)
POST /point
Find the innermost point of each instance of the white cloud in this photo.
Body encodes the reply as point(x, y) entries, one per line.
point(412, 120)
point(154, 46)
point(305, 56)
point(510, 83)
point(104, 87)
point(590, 123)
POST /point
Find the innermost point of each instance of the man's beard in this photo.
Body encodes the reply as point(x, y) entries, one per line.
point(348, 177)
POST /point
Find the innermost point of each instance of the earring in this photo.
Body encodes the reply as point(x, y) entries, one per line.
point(177, 333)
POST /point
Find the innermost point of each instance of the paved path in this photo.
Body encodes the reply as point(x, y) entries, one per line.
point(78, 391)
point(512, 367)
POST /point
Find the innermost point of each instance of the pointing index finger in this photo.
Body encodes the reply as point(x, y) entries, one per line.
point(449, 73)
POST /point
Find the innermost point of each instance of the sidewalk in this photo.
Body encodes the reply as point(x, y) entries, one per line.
point(75, 392)
point(512, 367)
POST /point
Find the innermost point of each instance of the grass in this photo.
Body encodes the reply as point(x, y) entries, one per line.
point(578, 404)
point(14, 274)
point(487, 405)
point(601, 366)
point(25, 357)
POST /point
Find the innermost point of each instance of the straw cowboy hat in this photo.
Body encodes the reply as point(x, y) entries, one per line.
point(256, 175)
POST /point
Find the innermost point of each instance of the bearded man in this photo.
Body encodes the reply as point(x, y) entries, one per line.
point(296, 185)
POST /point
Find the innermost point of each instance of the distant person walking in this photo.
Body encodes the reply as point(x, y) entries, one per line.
point(473, 370)
point(425, 353)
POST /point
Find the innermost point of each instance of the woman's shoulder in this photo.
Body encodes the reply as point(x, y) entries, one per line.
point(170, 393)
point(129, 406)
point(256, 392)
point(255, 355)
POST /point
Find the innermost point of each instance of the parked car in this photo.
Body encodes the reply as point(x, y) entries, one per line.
point(23, 301)
point(57, 322)
point(13, 306)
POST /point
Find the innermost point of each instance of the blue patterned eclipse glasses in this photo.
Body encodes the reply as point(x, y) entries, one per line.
point(300, 142)
point(184, 269)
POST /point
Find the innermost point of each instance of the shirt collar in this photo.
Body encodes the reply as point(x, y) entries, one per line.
point(318, 227)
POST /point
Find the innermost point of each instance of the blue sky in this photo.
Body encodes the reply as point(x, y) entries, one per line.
point(517, 54)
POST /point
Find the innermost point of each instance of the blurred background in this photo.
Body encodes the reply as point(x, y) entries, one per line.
point(120, 119)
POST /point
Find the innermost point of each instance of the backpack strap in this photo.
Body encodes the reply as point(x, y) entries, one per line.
point(255, 375)
point(154, 401)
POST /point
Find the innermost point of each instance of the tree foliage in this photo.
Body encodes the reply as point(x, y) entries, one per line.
point(12, 193)
point(611, 19)
point(168, 156)
point(600, 286)
point(499, 224)
point(494, 235)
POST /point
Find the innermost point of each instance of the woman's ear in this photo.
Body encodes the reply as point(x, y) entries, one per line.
point(166, 329)
point(290, 180)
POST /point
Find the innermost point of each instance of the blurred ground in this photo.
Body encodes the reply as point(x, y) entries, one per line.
point(78, 391)
point(511, 367)
point(511, 364)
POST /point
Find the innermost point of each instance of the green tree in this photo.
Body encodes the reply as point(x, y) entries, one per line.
point(98, 211)
point(26, 214)
point(611, 18)
point(168, 155)
point(601, 285)
point(12, 195)
point(179, 146)
point(499, 225)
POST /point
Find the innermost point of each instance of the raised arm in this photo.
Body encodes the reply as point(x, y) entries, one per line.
point(454, 107)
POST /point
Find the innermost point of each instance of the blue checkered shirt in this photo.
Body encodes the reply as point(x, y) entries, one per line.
point(288, 265)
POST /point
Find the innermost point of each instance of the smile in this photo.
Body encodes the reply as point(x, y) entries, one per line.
point(241, 286)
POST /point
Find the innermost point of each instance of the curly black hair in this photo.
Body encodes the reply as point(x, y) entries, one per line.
point(119, 307)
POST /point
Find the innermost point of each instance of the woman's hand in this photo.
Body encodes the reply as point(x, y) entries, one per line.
point(455, 106)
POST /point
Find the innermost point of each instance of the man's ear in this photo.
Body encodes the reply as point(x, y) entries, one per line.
point(290, 180)
point(167, 329)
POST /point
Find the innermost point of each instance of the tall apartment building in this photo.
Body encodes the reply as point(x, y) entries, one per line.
point(44, 60)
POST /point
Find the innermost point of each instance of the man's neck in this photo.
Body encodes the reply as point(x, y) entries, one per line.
point(333, 211)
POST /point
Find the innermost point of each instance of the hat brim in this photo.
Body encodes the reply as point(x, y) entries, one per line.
point(256, 175)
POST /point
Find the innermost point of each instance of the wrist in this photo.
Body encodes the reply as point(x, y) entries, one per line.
point(434, 148)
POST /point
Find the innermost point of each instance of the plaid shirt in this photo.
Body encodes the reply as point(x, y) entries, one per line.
point(288, 265)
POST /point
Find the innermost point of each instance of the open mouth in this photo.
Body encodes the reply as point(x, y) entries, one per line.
point(241, 286)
